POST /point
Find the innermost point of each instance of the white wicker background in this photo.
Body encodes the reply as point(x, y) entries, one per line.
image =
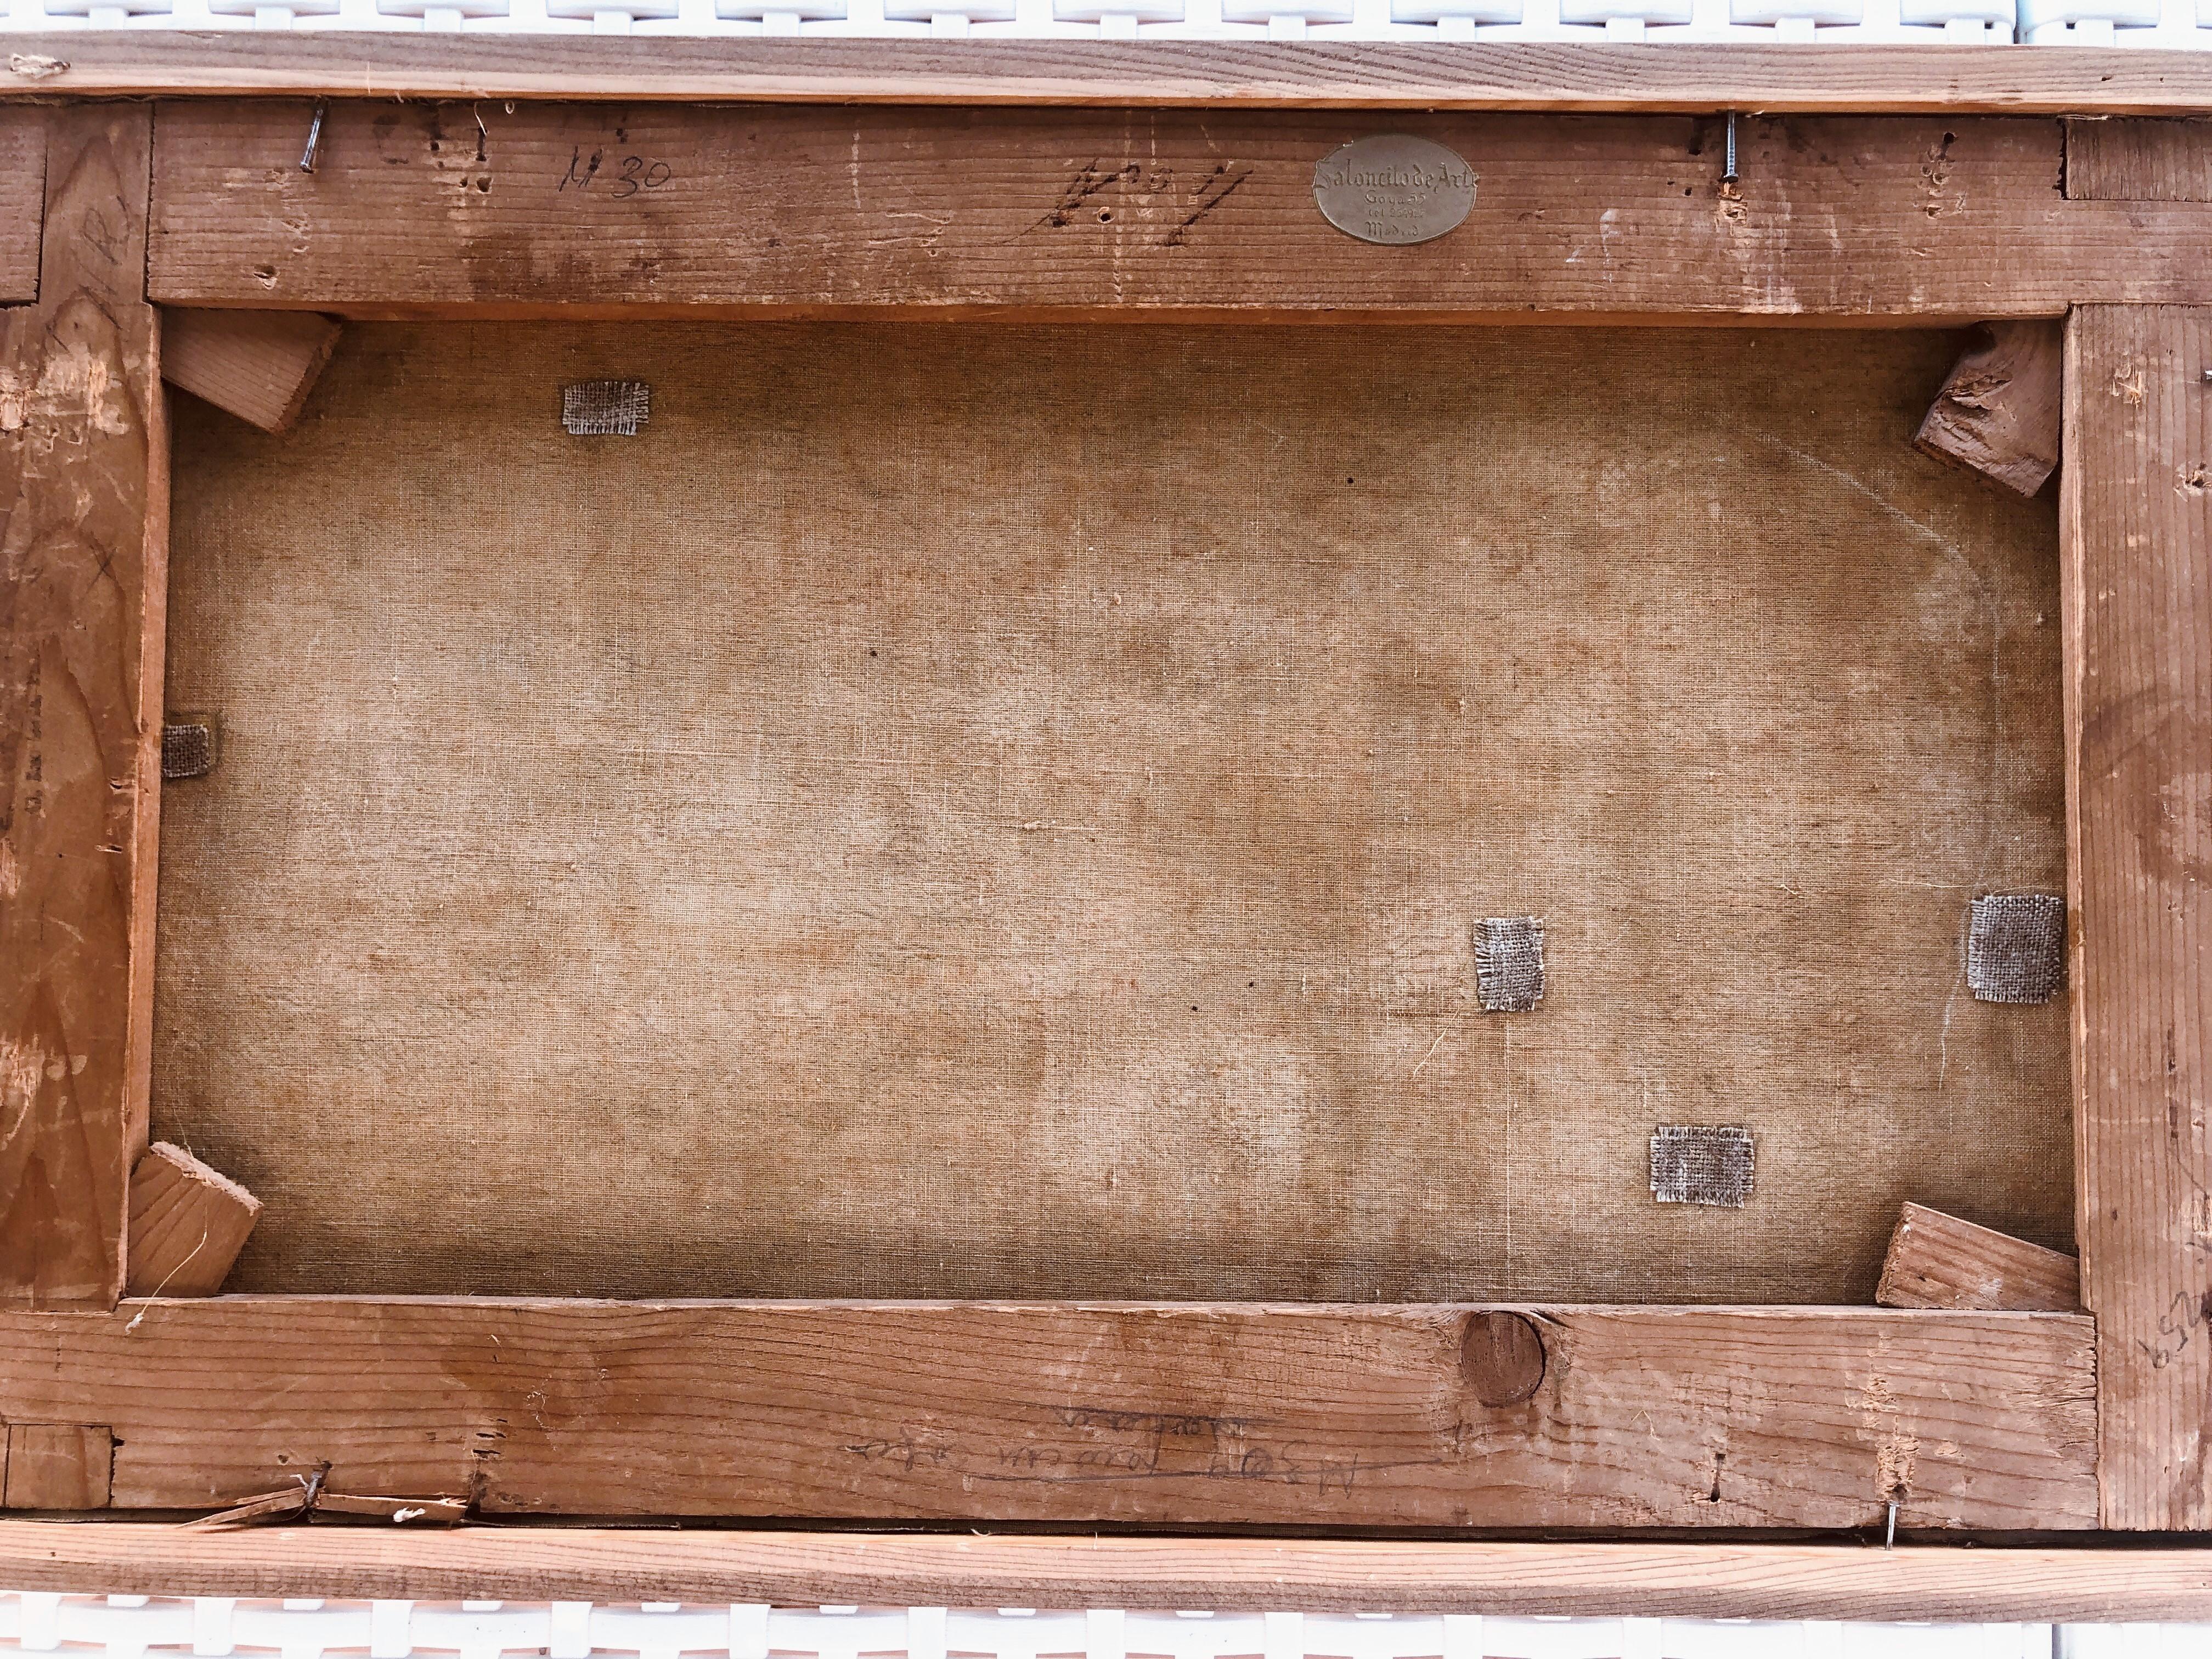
point(134, 1626)
point(2185, 24)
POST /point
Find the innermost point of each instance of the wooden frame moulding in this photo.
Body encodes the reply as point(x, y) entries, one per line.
point(1883, 196)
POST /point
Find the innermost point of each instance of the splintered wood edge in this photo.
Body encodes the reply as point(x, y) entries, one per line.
point(1577, 75)
point(206, 1175)
point(188, 1223)
point(1998, 414)
point(800, 1568)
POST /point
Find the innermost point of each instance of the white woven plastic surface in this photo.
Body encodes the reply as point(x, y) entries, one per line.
point(130, 1627)
point(2158, 23)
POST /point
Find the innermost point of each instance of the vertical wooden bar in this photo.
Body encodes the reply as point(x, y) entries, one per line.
point(84, 545)
point(2136, 586)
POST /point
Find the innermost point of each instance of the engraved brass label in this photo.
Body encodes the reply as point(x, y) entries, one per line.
point(1395, 189)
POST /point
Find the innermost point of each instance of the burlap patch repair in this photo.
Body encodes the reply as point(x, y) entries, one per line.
point(1701, 1164)
point(188, 748)
point(2016, 947)
point(605, 408)
point(1508, 964)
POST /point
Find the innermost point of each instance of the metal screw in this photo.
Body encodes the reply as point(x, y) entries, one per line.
point(314, 136)
point(1728, 173)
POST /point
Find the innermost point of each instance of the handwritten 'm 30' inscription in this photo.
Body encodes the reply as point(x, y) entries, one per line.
point(626, 175)
point(1395, 189)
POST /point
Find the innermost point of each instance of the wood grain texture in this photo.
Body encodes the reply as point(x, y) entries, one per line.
point(1937, 79)
point(22, 200)
point(56, 1466)
point(188, 1223)
point(1999, 413)
point(2139, 161)
point(1069, 763)
point(2136, 567)
point(83, 460)
point(1232, 1575)
point(810, 212)
point(1184, 1414)
point(1938, 1260)
point(259, 365)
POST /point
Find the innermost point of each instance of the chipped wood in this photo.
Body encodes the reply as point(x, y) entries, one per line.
point(1998, 413)
point(258, 365)
point(1938, 1260)
point(83, 480)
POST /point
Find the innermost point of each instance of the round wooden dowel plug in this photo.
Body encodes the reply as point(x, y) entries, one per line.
point(1502, 1357)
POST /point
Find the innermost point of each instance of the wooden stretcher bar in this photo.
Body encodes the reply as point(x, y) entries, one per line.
point(585, 210)
point(1673, 1580)
point(1175, 1413)
point(1939, 80)
point(1628, 1417)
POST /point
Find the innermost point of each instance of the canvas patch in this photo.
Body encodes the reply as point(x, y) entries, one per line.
point(605, 408)
point(1701, 1164)
point(1508, 964)
point(188, 749)
point(2016, 947)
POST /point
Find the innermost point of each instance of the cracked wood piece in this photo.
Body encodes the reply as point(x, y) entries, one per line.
point(188, 1223)
point(1998, 414)
point(2139, 161)
point(259, 365)
point(402, 1511)
point(1183, 1414)
point(794, 1567)
point(22, 200)
point(83, 526)
point(57, 1466)
point(2135, 589)
point(1948, 81)
point(292, 1502)
point(1938, 1260)
point(556, 209)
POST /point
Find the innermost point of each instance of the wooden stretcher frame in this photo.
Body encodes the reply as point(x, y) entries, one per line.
point(1878, 185)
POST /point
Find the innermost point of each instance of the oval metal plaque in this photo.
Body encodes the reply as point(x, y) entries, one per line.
point(1394, 188)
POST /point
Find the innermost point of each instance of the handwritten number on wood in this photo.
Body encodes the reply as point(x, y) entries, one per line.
point(639, 173)
point(632, 173)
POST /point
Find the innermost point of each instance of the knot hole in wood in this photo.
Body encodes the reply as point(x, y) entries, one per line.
point(1502, 1357)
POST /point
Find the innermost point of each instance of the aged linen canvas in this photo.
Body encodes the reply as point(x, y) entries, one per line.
point(955, 810)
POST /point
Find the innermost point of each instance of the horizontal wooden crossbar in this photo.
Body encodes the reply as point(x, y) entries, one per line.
point(564, 210)
point(1941, 79)
point(1180, 1413)
point(802, 1569)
